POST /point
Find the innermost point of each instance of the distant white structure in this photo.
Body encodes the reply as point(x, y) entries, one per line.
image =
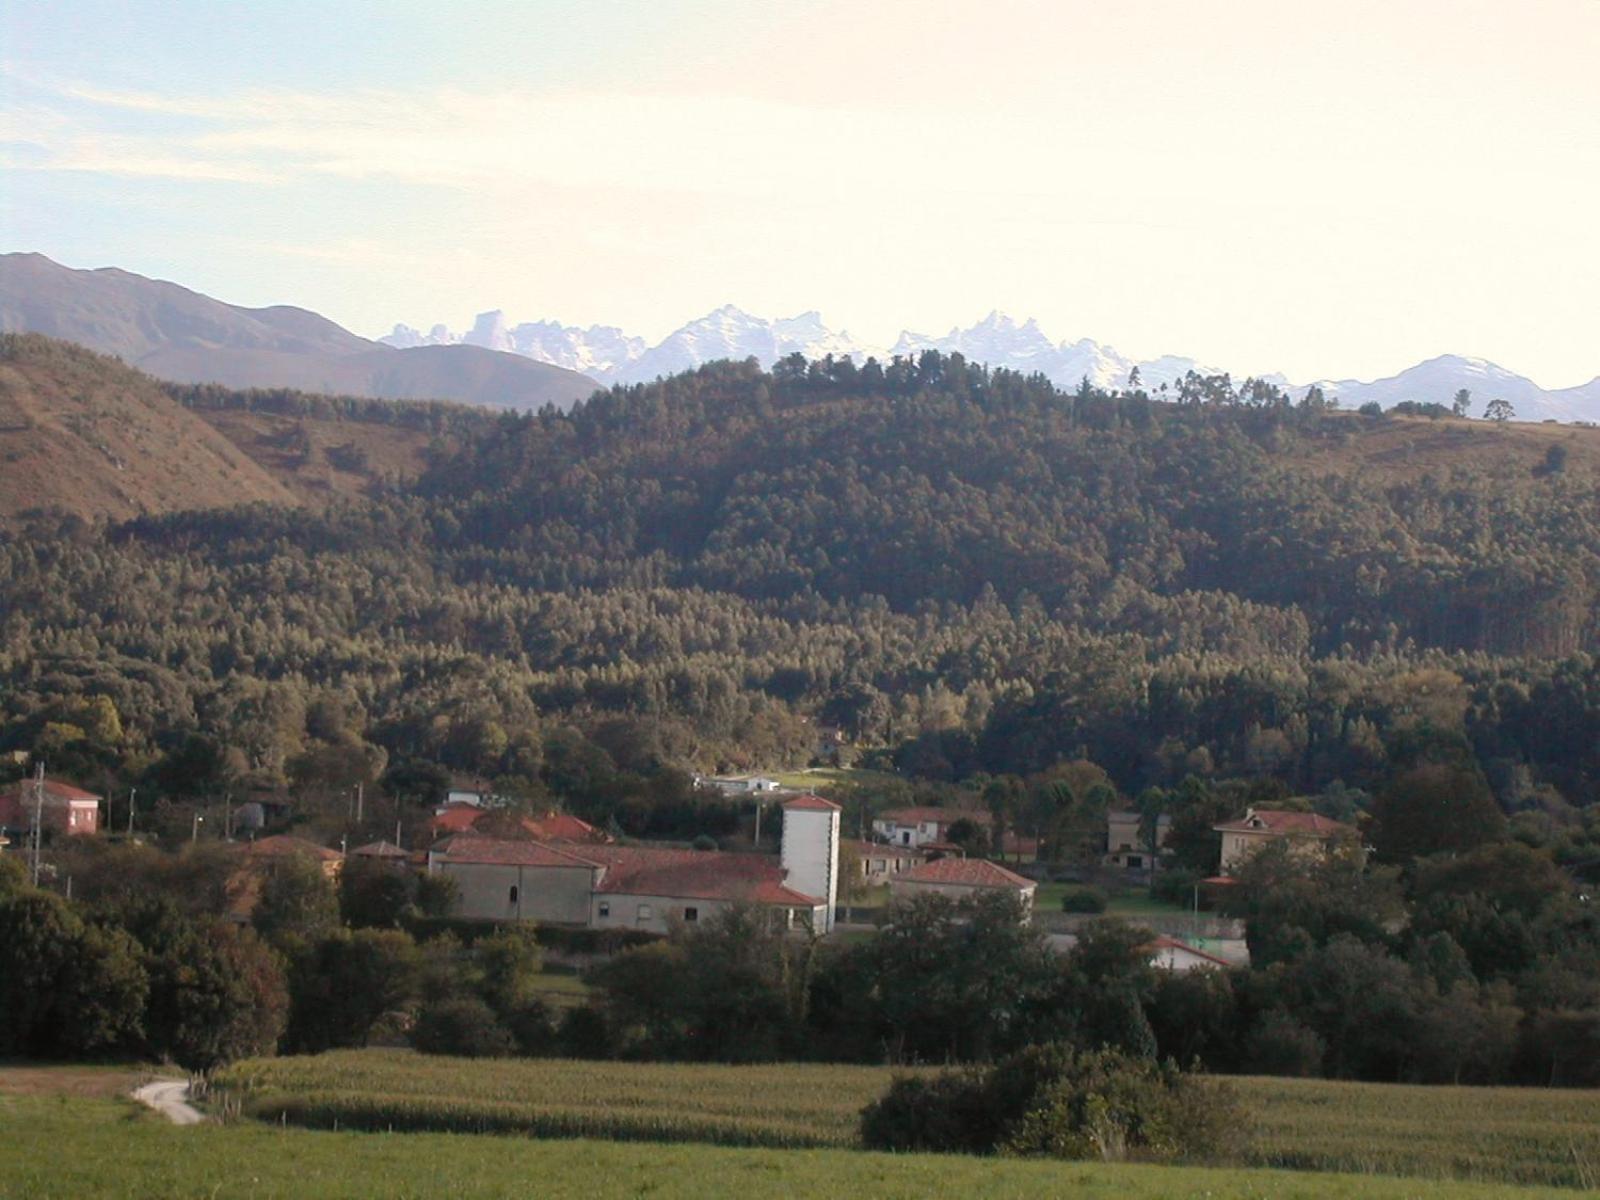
point(811, 850)
point(741, 785)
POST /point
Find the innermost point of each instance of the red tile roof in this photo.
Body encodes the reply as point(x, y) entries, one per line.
point(379, 849)
point(281, 844)
point(1163, 942)
point(54, 789)
point(697, 875)
point(641, 870)
point(967, 872)
point(563, 827)
point(453, 818)
point(551, 827)
point(811, 803)
point(1272, 820)
point(510, 852)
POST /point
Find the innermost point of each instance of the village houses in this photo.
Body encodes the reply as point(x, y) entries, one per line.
point(597, 885)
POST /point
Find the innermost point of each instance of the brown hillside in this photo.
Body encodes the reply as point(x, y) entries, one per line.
point(319, 459)
point(177, 334)
point(1400, 449)
point(83, 434)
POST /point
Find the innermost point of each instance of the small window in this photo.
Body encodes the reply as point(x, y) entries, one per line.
point(691, 914)
point(605, 908)
point(512, 898)
point(879, 865)
point(646, 912)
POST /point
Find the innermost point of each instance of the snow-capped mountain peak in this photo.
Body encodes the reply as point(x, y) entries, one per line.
point(608, 355)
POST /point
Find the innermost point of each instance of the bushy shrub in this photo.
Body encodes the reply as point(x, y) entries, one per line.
point(1062, 1102)
point(1109, 1106)
point(946, 1113)
point(465, 1026)
point(1084, 900)
point(583, 1033)
point(1281, 1045)
point(532, 1027)
point(1175, 885)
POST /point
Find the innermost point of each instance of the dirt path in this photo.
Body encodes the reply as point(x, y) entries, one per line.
point(170, 1098)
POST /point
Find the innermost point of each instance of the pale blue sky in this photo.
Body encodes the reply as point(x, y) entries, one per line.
point(1322, 190)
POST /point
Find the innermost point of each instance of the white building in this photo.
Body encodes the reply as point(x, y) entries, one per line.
point(811, 850)
point(646, 887)
point(924, 826)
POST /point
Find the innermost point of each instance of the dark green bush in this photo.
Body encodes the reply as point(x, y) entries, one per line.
point(944, 1113)
point(465, 1026)
point(1084, 900)
point(583, 1034)
point(1281, 1045)
point(1106, 1105)
point(1062, 1102)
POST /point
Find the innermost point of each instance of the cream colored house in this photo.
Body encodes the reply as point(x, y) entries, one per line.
point(1308, 832)
point(1126, 847)
point(961, 879)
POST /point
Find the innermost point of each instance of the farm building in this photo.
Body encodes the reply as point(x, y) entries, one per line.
point(961, 879)
point(604, 886)
point(65, 809)
point(876, 863)
point(923, 826)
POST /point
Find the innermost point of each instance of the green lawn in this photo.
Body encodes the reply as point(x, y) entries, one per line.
point(561, 989)
point(833, 777)
point(67, 1148)
point(1131, 903)
point(1512, 1135)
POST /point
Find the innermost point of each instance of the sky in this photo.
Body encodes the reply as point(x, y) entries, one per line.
point(1325, 190)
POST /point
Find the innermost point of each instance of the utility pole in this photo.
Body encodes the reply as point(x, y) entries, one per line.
point(132, 792)
point(359, 805)
point(758, 822)
point(194, 828)
point(38, 818)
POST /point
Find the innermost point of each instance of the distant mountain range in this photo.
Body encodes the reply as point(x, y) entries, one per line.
point(608, 355)
point(174, 333)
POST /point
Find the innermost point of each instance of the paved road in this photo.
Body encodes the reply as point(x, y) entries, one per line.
point(170, 1098)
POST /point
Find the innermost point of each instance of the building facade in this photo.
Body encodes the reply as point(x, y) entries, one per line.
point(648, 888)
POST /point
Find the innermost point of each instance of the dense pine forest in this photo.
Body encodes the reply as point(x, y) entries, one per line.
point(971, 573)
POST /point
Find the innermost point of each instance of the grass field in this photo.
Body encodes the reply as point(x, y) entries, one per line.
point(1133, 903)
point(1492, 1134)
point(67, 1148)
point(833, 777)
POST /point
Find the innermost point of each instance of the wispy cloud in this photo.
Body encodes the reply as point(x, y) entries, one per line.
point(452, 138)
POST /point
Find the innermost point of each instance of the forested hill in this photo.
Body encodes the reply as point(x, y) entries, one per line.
point(1232, 524)
point(967, 572)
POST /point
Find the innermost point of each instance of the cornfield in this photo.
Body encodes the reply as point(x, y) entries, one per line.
point(1505, 1135)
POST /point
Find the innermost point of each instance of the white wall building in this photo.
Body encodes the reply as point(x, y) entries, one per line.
point(811, 850)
